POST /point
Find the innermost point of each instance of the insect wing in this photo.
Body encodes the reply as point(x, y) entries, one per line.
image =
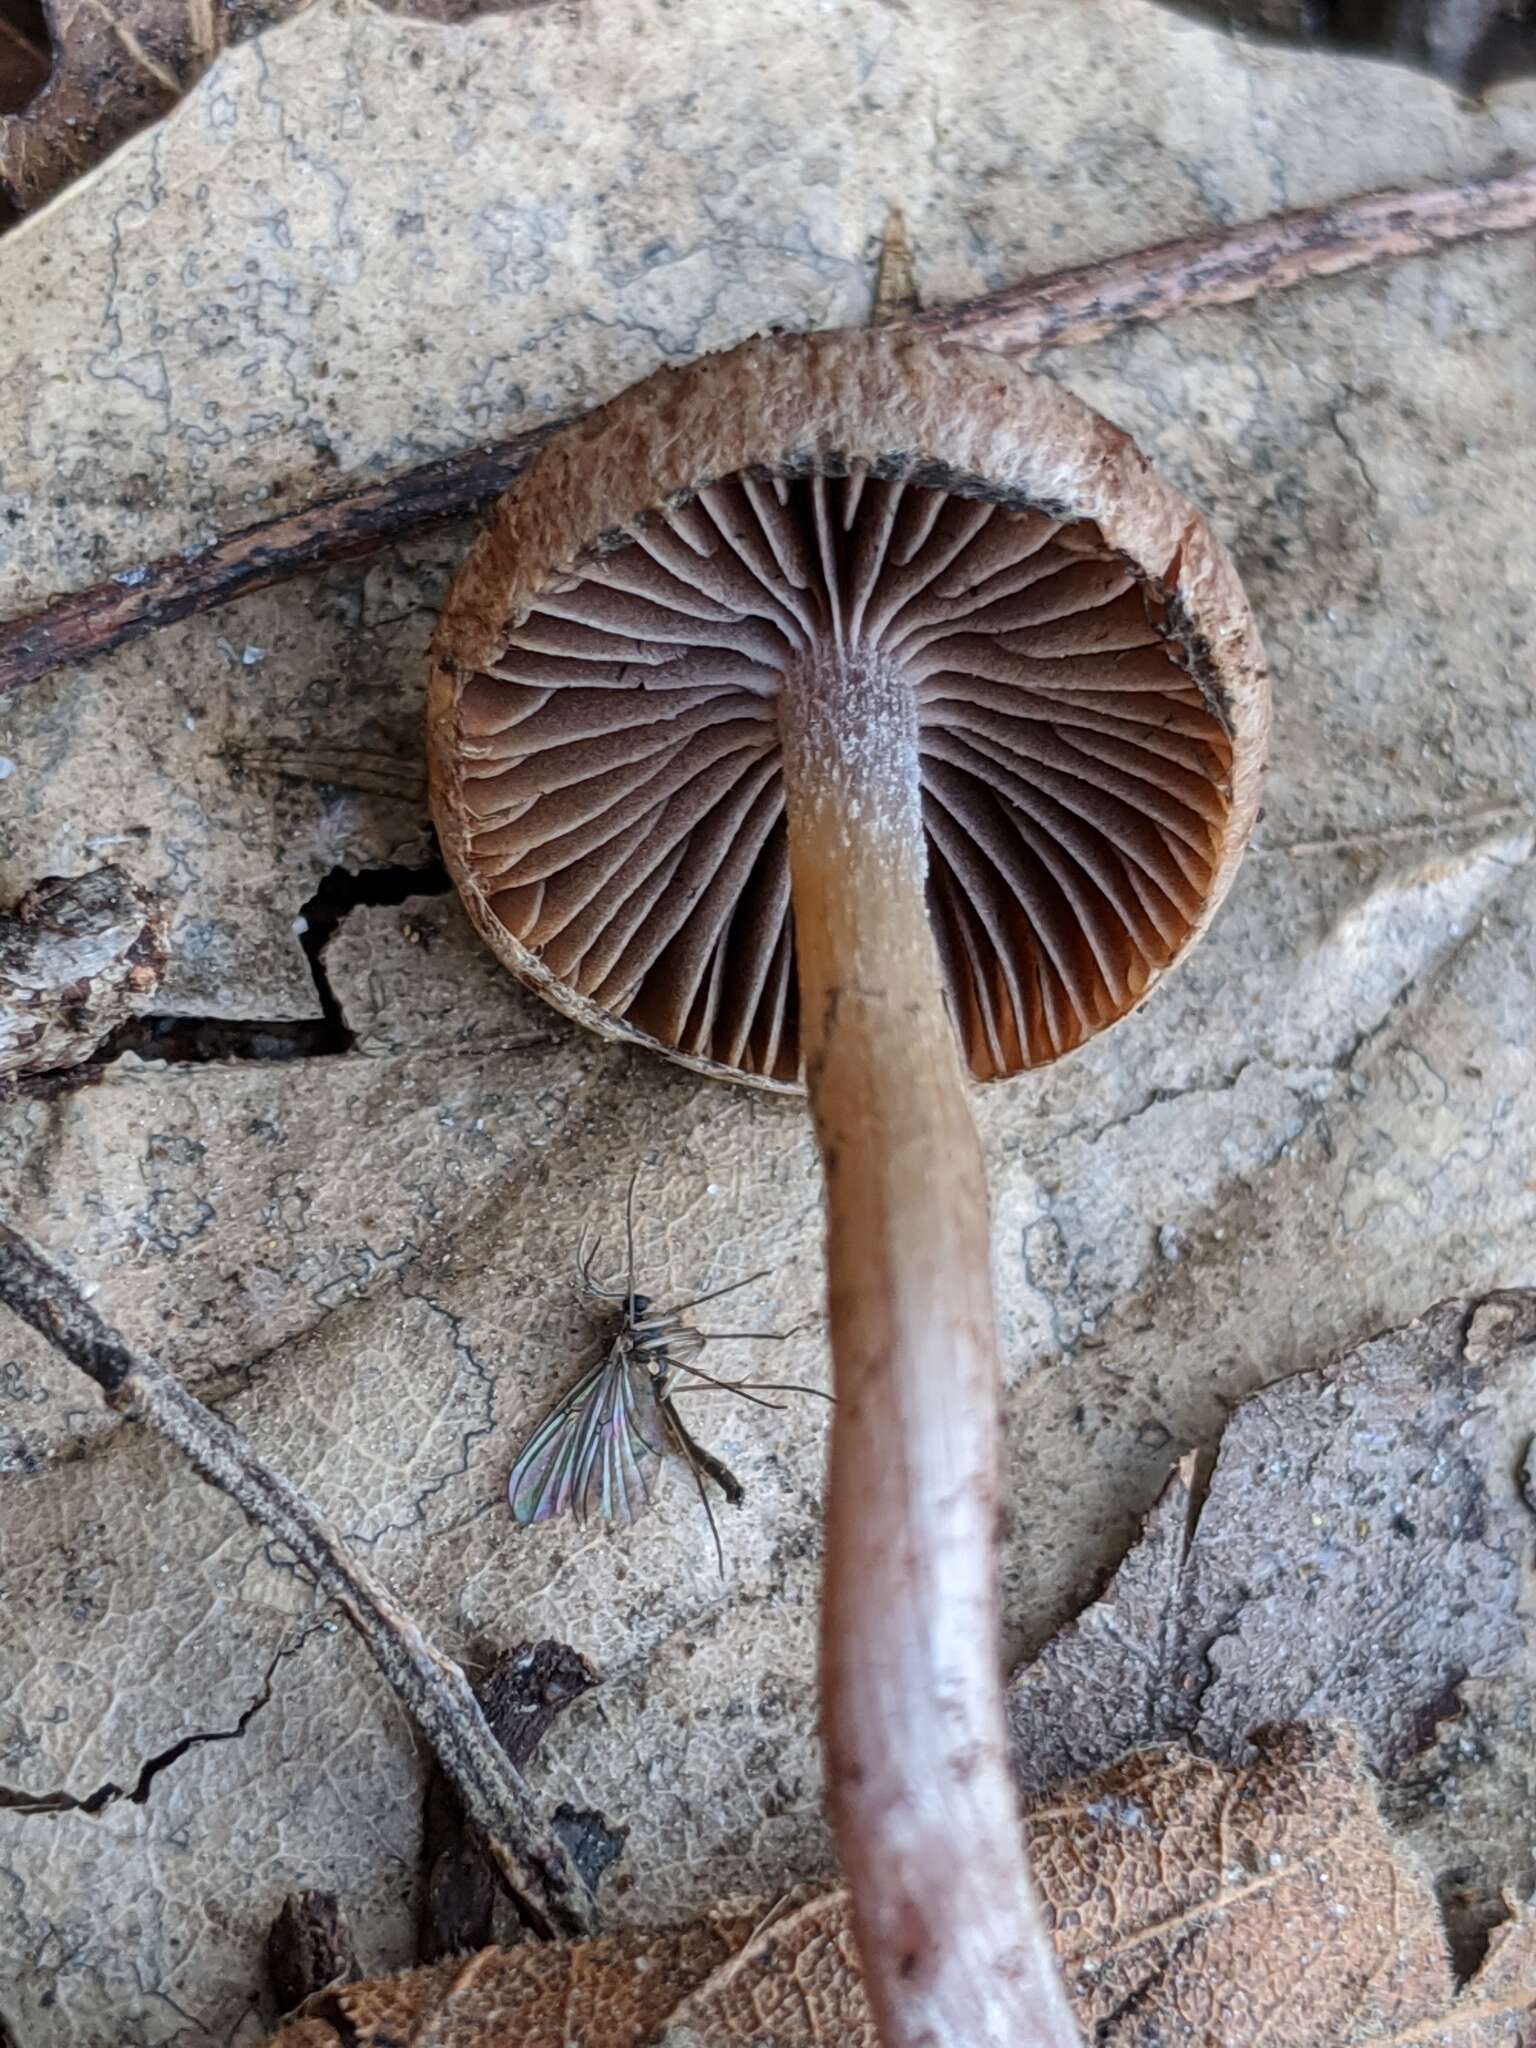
point(540, 1483)
point(595, 1450)
point(622, 1446)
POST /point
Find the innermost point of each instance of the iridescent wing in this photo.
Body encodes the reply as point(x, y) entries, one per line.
point(597, 1449)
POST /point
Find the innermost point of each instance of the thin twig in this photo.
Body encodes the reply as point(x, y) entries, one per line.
point(141, 598)
point(534, 1862)
point(1067, 306)
point(1236, 263)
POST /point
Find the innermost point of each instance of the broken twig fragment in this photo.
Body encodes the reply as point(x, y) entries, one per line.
point(309, 1949)
point(896, 296)
point(1235, 264)
point(535, 1864)
point(522, 1698)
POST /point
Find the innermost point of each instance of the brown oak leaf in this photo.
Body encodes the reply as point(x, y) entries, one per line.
point(1258, 1907)
point(615, 1992)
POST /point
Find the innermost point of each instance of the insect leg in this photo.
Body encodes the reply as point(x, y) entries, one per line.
point(699, 1462)
point(629, 1237)
point(715, 1293)
point(748, 1388)
point(771, 1336)
point(706, 1461)
point(743, 1387)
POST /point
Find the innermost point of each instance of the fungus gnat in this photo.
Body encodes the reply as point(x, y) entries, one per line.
point(598, 1450)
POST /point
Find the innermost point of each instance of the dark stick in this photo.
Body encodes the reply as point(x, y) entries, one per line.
point(522, 1698)
point(1236, 263)
point(1044, 312)
point(153, 594)
point(535, 1864)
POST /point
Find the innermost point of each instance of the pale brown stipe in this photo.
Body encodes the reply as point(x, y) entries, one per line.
point(802, 711)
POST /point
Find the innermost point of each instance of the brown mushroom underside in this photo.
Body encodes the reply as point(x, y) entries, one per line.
point(622, 795)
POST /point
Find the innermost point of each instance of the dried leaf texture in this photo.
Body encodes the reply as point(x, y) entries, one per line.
point(1346, 1561)
point(622, 785)
point(1340, 1077)
point(1190, 1904)
point(115, 69)
point(120, 67)
point(612, 1993)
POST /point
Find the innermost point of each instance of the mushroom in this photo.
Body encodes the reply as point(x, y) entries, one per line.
point(857, 707)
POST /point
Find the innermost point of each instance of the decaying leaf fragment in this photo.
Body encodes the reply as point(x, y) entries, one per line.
point(119, 65)
point(78, 955)
point(1346, 1561)
point(309, 1948)
point(523, 1696)
point(1257, 1907)
point(115, 69)
point(615, 1992)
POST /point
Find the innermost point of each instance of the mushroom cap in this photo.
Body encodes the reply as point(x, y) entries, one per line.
point(602, 729)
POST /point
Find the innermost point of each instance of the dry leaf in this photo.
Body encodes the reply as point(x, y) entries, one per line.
point(1345, 1562)
point(615, 1992)
point(1365, 1119)
point(526, 1692)
point(115, 69)
point(1193, 1904)
point(78, 955)
point(309, 1948)
point(119, 65)
point(24, 58)
point(1471, 44)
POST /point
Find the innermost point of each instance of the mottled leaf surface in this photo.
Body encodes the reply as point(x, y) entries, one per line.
point(1347, 1560)
point(359, 243)
point(116, 68)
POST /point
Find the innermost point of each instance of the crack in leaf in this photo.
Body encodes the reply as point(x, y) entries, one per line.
point(32, 1804)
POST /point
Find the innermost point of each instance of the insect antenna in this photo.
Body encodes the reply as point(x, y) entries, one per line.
point(585, 1261)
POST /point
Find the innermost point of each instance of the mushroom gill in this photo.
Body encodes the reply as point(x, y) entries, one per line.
point(624, 732)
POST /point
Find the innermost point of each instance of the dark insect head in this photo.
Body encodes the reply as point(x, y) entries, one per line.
point(638, 1305)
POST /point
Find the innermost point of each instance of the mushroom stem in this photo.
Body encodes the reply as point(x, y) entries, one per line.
point(923, 1808)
